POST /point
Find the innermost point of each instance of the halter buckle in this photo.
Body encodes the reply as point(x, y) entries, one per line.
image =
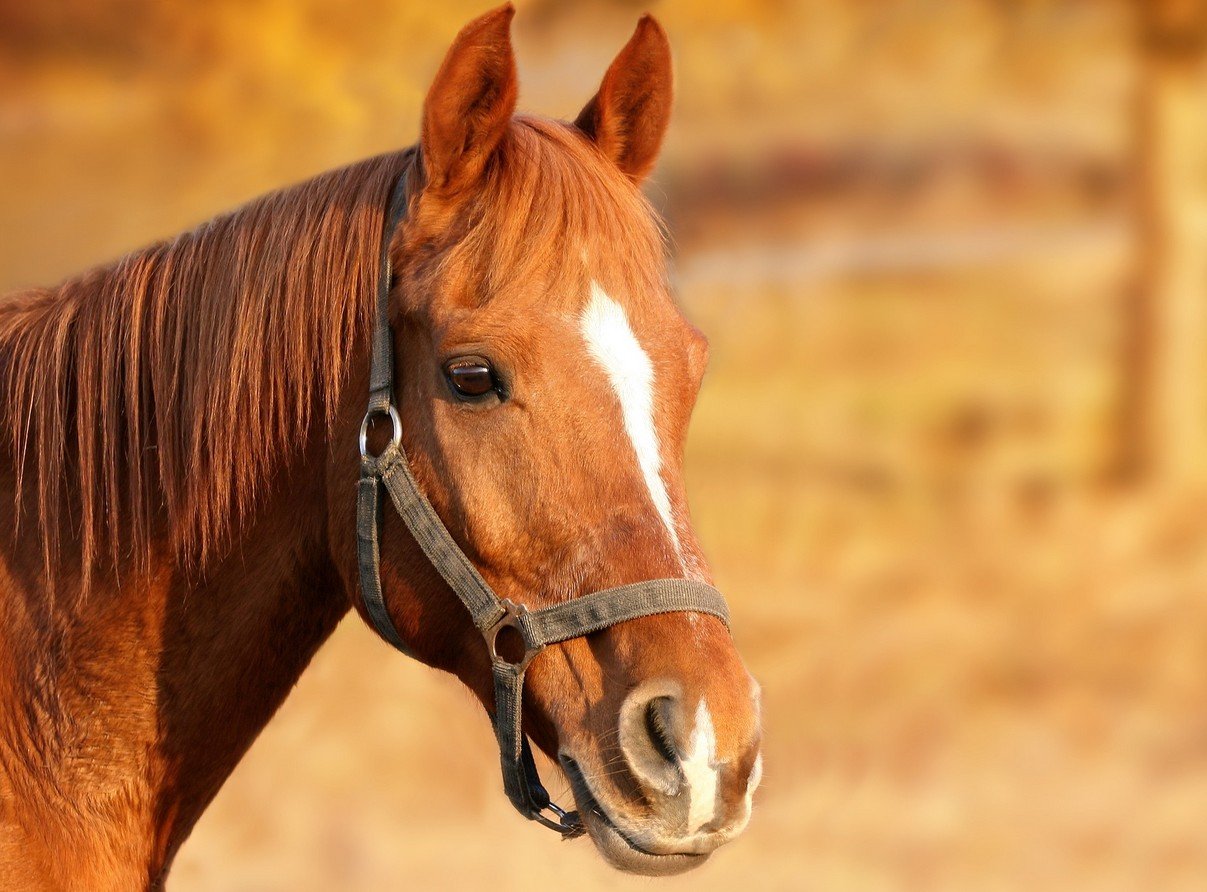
point(568, 823)
point(513, 614)
point(395, 424)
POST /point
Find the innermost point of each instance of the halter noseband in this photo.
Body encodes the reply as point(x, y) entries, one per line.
point(491, 614)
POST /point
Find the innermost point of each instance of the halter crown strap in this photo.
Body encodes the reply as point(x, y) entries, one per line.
point(490, 613)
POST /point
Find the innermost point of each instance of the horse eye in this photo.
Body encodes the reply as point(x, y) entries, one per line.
point(471, 377)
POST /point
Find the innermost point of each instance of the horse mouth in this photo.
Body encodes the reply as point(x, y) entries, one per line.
point(616, 846)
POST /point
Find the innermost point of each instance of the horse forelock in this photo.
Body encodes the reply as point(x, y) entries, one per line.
point(551, 210)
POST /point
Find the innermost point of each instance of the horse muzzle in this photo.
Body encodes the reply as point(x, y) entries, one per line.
point(676, 800)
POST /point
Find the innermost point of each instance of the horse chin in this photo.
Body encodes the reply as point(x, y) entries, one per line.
point(612, 842)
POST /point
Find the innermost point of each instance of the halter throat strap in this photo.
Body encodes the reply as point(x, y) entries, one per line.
point(491, 614)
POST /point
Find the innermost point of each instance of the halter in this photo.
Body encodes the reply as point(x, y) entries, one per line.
point(491, 614)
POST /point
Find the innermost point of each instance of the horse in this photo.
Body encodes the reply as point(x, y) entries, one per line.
point(181, 462)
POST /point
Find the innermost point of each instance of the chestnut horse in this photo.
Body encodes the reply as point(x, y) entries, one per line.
point(182, 462)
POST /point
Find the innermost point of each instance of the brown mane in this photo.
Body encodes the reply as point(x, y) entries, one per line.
point(205, 358)
point(210, 355)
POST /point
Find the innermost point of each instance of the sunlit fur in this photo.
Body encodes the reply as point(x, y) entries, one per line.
point(182, 464)
point(204, 359)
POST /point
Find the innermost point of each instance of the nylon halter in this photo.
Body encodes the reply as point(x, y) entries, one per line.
point(491, 614)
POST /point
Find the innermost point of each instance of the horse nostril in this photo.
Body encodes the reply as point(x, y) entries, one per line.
point(651, 739)
point(664, 723)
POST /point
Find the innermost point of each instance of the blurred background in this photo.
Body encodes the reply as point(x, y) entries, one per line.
point(950, 461)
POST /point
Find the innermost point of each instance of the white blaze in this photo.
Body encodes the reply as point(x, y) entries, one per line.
point(699, 766)
point(611, 341)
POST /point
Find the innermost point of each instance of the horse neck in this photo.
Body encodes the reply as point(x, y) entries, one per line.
point(237, 641)
point(147, 692)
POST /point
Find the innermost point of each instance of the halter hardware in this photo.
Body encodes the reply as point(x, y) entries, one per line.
point(512, 618)
point(395, 425)
point(574, 618)
point(569, 824)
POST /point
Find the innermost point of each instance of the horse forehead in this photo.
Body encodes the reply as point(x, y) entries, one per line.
point(549, 317)
point(642, 340)
point(647, 304)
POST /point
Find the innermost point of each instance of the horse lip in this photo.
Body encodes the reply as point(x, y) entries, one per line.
point(616, 846)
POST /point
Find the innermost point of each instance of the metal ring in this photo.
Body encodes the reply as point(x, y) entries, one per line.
point(395, 422)
point(569, 824)
point(510, 619)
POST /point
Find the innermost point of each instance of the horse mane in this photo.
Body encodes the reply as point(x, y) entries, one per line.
point(162, 387)
point(204, 360)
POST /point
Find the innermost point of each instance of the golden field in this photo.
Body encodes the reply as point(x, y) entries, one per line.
point(909, 231)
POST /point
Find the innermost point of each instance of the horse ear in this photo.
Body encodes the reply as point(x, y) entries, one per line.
point(628, 116)
point(470, 102)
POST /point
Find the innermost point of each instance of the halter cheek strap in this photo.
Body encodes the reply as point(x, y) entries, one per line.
point(490, 614)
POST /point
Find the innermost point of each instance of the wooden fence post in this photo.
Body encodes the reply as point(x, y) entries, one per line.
point(1165, 404)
